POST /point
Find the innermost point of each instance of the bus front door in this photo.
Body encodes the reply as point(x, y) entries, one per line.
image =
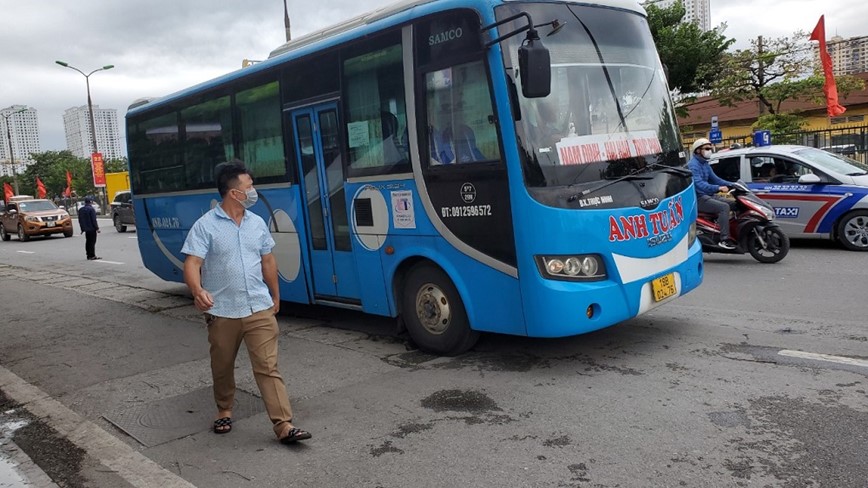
point(318, 149)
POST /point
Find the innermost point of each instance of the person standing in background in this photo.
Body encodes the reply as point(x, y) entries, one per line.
point(89, 227)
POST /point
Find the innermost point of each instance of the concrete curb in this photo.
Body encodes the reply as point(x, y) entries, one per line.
point(135, 468)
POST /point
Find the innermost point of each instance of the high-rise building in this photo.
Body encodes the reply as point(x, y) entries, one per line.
point(23, 129)
point(849, 56)
point(76, 124)
point(698, 11)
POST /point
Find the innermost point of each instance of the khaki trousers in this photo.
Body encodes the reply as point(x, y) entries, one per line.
point(259, 332)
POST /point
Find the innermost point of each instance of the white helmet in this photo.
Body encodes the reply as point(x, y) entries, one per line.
point(699, 143)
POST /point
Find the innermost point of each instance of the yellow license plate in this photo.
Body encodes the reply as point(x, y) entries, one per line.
point(663, 287)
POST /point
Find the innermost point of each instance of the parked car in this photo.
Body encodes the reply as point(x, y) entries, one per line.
point(33, 217)
point(122, 210)
point(95, 206)
point(815, 193)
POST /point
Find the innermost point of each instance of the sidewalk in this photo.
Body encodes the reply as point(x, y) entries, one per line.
point(102, 415)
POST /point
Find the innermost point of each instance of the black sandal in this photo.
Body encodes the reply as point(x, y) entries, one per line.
point(294, 435)
point(223, 425)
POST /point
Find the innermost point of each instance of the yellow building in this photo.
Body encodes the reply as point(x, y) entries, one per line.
point(821, 131)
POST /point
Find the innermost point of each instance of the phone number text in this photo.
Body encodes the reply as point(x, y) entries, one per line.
point(466, 211)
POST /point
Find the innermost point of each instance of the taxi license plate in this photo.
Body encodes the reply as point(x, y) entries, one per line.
point(663, 287)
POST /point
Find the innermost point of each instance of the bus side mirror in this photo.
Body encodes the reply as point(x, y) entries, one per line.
point(535, 67)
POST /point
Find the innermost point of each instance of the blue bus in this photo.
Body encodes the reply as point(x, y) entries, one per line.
point(466, 166)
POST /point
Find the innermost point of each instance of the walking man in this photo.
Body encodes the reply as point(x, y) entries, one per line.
point(89, 226)
point(232, 275)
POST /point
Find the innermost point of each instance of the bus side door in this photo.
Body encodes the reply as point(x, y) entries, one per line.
point(318, 148)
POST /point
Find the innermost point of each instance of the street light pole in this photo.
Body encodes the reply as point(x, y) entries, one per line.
point(11, 149)
point(90, 112)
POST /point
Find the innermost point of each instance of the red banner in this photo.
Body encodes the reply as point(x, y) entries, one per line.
point(8, 192)
point(98, 168)
point(833, 108)
point(68, 191)
point(40, 188)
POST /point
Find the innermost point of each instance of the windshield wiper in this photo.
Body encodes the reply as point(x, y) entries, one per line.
point(636, 174)
point(861, 173)
point(633, 175)
point(679, 170)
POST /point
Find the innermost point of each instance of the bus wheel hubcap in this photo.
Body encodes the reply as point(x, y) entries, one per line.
point(432, 308)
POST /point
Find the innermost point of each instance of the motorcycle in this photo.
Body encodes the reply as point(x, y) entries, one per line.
point(751, 226)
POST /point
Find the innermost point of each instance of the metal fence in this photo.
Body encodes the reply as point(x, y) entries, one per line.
point(849, 141)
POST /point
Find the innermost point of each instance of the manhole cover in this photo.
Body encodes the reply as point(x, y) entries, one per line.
point(173, 418)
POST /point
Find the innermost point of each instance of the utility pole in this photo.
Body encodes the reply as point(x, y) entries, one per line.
point(11, 149)
point(286, 21)
point(760, 71)
point(90, 114)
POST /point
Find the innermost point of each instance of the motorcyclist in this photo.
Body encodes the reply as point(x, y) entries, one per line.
point(708, 185)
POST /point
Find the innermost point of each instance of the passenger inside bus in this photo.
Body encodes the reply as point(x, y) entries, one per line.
point(451, 140)
point(546, 129)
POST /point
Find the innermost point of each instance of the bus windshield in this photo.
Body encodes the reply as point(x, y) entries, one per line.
point(609, 112)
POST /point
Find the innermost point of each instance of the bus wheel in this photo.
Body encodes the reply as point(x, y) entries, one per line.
point(434, 313)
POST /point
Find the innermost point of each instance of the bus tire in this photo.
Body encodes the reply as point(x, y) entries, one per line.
point(434, 312)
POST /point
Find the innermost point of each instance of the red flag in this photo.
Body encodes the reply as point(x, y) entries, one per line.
point(8, 192)
point(68, 191)
point(829, 88)
point(40, 188)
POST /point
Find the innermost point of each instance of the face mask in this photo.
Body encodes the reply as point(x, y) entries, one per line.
point(252, 198)
point(706, 154)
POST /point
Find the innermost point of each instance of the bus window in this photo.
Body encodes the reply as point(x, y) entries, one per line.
point(460, 116)
point(207, 140)
point(155, 143)
point(259, 117)
point(376, 120)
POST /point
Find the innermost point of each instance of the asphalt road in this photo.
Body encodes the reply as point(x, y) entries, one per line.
point(758, 378)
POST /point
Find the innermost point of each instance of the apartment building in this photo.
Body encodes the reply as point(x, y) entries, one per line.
point(76, 125)
point(20, 124)
point(697, 11)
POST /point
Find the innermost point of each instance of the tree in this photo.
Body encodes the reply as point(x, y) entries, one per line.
point(51, 168)
point(691, 56)
point(782, 126)
point(116, 165)
point(774, 71)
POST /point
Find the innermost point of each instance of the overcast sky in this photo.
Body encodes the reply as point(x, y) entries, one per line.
point(161, 46)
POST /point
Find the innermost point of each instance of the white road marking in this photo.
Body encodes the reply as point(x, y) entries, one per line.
point(132, 237)
point(825, 357)
point(108, 262)
point(27, 252)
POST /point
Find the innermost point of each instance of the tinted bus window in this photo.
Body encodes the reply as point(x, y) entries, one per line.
point(460, 116)
point(261, 132)
point(376, 120)
point(308, 79)
point(155, 143)
point(207, 140)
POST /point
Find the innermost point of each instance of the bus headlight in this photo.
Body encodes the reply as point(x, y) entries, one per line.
point(583, 267)
point(691, 234)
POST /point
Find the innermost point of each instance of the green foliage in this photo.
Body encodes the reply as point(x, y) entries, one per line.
point(51, 167)
point(773, 72)
point(691, 56)
point(782, 126)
